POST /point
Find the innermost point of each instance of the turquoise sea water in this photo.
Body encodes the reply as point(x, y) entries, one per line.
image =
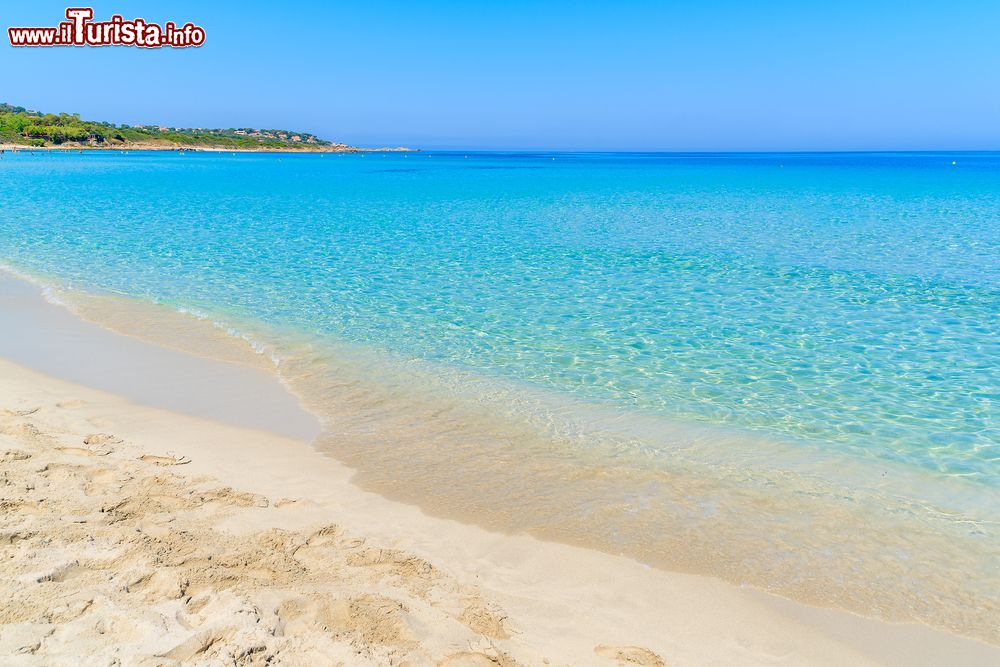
point(778, 369)
point(847, 300)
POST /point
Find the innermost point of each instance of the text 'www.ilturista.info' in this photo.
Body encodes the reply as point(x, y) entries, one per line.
point(80, 30)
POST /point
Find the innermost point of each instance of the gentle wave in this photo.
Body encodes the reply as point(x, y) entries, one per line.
point(788, 518)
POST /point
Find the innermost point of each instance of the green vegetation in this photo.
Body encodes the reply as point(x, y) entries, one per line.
point(31, 128)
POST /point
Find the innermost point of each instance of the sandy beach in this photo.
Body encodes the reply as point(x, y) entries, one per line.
point(171, 511)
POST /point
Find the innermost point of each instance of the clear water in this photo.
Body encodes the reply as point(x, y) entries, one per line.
point(777, 369)
point(846, 300)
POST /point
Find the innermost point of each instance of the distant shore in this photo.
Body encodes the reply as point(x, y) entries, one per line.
point(338, 148)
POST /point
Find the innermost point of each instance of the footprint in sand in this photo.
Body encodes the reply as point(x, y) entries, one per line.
point(82, 451)
point(167, 460)
point(14, 537)
point(56, 574)
point(200, 644)
point(25, 640)
point(228, 496)
point(372, 619)
point(629, 655)
point(14, 455)
point(63, 472)
point(484, 621)
point(19, 507)
point(102, 439)
point(103, 481)
point(71, 404)
point(325, 535)
point(392, 562)
point(25, 431)
point(159, 586)
point(157, 527)
point(289, 503)
point(69, 611)
point(20, 413)
point(99, 444)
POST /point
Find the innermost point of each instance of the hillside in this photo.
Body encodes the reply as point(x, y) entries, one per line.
point(32, 128)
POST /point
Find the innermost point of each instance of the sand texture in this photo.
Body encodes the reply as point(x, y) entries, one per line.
point(111, 552)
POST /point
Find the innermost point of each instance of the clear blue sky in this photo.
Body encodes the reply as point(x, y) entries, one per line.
point(767, 75)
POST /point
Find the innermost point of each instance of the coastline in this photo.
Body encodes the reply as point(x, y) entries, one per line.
point(819, 529)
point(338, 148)
point(533, 600)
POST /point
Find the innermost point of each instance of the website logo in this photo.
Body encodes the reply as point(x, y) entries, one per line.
point(79, 29)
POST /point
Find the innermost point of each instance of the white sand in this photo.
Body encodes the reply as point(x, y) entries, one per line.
point(152, 534)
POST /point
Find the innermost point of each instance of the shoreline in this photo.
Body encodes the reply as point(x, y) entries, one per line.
point(851, 538)
point(544, 589)
point(205, 149)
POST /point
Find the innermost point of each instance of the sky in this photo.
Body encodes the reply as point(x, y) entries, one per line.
point(518, 75)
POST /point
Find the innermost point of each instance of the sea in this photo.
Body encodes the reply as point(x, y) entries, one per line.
point(780, 369)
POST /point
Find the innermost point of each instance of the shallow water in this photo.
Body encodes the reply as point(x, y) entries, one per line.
point(776, 368)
